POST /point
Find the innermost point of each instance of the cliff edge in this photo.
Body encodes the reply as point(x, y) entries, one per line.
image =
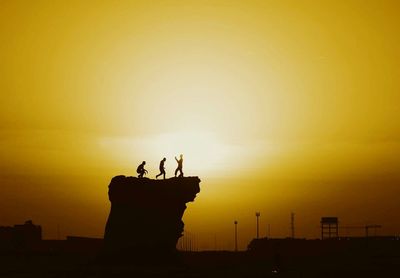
point(146, 215)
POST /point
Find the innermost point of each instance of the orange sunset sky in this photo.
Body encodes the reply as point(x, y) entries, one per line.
point(278, 106)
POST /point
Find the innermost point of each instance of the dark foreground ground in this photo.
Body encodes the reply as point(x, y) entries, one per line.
point(202, 264)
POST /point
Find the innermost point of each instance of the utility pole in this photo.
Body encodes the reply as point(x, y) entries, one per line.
point(257, 226)
point(236, 238)
point(190, 242)
point(292, 223)
point(269, 230)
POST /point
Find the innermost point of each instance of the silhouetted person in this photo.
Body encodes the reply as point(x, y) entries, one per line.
point(140, 170)
point(162, 168)
point(180, 166)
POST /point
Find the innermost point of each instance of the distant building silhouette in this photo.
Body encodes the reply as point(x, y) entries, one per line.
point(20, 236)
point(27, 239)
point(301, 247)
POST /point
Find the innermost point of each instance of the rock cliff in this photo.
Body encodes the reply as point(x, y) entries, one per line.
point(146, 215)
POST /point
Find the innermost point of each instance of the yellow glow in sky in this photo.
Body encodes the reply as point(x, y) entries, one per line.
point(278, 106)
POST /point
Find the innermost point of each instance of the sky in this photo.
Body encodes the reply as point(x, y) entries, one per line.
point(278, 106)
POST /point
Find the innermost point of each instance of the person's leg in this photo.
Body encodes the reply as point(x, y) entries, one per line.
point(176, 171)
point(158, 175)
point(164, 174)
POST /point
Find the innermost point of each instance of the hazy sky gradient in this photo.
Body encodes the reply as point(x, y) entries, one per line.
point(278, 106)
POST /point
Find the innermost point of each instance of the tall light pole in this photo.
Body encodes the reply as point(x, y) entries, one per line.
point(257, 216)
point(292, 223)
point(236, 244)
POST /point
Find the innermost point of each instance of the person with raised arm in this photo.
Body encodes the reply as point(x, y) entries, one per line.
point(180, 166)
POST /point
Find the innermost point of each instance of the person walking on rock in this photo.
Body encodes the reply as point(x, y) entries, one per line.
point(180, 166)
point(162, 168)
point(140, 170)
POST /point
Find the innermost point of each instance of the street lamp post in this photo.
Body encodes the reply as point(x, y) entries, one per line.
point(236, 244)
point(257, 216)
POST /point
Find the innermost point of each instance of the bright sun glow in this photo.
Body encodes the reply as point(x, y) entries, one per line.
point(203, 152)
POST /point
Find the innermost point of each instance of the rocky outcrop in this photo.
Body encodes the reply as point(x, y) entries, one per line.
point(146, 215)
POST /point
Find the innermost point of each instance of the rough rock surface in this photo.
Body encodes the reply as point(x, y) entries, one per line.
point(146, 215)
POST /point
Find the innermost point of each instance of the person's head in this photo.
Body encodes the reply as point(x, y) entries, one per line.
point(144, 163)
point(181, 156)
point(164, 159)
